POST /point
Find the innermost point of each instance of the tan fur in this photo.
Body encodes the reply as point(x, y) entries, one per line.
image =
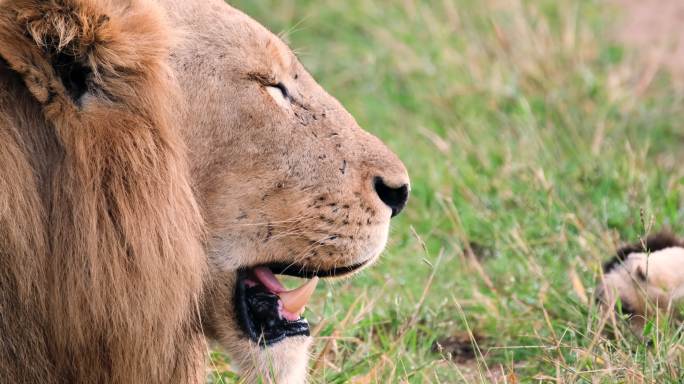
point(178, 155)
point(646, 283)
point(275, 184)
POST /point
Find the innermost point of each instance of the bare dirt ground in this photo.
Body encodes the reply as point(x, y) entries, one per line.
point(656, 29)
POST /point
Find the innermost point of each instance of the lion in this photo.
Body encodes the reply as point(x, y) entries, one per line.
point(161, 162)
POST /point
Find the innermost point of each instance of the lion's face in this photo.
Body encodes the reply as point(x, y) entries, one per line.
point(286, 178)
point(283, 172)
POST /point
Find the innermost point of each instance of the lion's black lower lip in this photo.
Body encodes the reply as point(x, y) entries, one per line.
point(257, 308)
point(258, 315)
point(307, 273)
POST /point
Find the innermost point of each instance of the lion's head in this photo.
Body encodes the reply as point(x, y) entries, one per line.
point(282, 171)
point(168, 159)
point(285, 177)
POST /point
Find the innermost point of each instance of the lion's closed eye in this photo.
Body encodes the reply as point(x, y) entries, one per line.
point(280, 94)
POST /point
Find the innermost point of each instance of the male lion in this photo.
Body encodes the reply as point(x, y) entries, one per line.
point(160, 163)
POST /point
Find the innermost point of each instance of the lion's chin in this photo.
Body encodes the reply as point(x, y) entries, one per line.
point(266, 311)
point(282, 363)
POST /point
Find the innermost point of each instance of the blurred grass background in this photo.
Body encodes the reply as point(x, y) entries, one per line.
point(536, 143)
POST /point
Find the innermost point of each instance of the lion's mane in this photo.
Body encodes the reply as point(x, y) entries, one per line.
point(101, 263)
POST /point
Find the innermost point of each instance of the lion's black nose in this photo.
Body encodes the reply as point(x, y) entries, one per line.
point(393, 197)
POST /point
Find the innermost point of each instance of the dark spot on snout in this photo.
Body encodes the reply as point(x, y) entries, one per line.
point(269, 232)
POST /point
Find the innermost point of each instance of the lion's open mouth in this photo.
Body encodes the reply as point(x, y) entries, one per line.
point(267, 311)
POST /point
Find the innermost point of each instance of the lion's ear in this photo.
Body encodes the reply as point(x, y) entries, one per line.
point(65, 49)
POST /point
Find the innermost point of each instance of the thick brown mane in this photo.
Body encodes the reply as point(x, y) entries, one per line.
point(100, 254)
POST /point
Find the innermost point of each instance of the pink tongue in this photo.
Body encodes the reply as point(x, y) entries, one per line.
point(268, 279)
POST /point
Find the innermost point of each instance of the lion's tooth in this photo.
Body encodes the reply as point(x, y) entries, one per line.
point(295, 300)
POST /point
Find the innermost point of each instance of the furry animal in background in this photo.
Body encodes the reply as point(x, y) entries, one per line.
point(645, 277)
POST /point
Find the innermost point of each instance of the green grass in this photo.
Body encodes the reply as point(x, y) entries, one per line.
point(535, 145)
